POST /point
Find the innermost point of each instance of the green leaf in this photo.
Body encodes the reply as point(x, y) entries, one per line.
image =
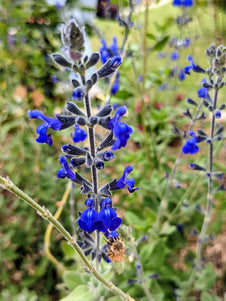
point(68, 250)
point(79, 293)
point(150, 36)
point(160, 44)
point(123, 94)
point(133, 219)
point(72, 279)
point(206, 278)
point(207, 297)
point(167, 229)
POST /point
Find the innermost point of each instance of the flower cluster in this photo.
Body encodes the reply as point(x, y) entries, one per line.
point(99, 215)
point(105, 54)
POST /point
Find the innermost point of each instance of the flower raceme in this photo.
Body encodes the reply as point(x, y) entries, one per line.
point(49, 122)
point(120, 129)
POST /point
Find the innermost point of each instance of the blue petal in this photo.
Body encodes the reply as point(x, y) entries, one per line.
point(115, 223)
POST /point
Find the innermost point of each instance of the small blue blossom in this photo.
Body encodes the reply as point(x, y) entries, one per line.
point(191, 146)
point(108, 216)
point(174, 56)
point(202, 92)
point(195, 68)
point(78, 94)
point(120, 129)
point(49, 122)
point(218, 114)
point(79, 134)
point(123, 181)
point(116, 61)
point(89, 220)
point(185, 3)
point(105, 52)
point(54, 79)
point(108, 155)
point(181, 75)
point(65, 171)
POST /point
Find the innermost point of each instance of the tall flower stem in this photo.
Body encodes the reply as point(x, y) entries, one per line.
point(91, 135)
point(210, 199)
point(140, 274)
point(7, 184)
point(164, 201)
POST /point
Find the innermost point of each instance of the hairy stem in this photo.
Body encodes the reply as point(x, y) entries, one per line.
point(94, 172)
point(7, 184)
point(207, 217)
point(164, 201)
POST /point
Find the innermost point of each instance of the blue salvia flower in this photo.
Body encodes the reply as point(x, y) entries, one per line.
point(191, 146)
point(195, 68)
point(79, 134)
point(202, 92)
point(185, 3)
point(120, 129)
point(108, 216)
point(109, 52)
point(89, 220)
point(49, 123)
point(181, 75)
point(65, 171)
point(123, 181)
point(174, 56)
point(78, 94)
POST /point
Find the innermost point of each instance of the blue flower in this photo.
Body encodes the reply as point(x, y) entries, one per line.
point(177, 3)
point(185, 3)
point(89, 220)
point(49, 122)
point(54, 79)
point(79, 134)
point(190, 146)
point(65, 171)
point(78, 94)
point(188, 3)
point(115, 86)
point(174, 56)
point(120, 129)
point(111, 52)
point(218, 114)
point(108, 216)
point(122, 182)
point(202, 92)
point(192, 66)
point(105, 52)
point(181, 75)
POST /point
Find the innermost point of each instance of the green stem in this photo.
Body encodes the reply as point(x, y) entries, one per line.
point(94, 172)
point(7, 184)
point(164, 201)
point(207, 216)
